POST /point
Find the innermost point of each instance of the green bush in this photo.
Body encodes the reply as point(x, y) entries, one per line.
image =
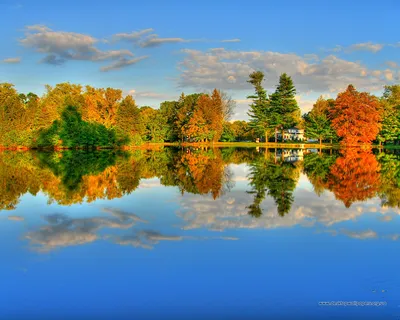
point(72, 132)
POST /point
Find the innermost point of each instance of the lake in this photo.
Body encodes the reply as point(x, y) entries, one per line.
point(186, 233)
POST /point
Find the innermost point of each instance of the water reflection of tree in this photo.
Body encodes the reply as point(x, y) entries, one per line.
point(317, 167)
point(199, 172)
point(389, 191)
point(354, 176)
point(17, 177)
point(275, 178)
point(76, 176)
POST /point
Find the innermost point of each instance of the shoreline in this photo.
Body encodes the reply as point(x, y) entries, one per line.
point(153, 145)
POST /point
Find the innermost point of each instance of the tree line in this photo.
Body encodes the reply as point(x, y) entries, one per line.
point(352, 118)
point(72, 116)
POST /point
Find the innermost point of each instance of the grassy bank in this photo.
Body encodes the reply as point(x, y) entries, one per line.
point(156, 146)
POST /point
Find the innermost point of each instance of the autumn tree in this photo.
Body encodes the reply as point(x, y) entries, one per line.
point(15, 122)
point(356, 117)
point(55, 100)
point(101, 105)
point(228, 105)
point(184, 110)
point(242, 130)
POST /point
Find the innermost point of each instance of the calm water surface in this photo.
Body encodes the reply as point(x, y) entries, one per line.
point(200, 234)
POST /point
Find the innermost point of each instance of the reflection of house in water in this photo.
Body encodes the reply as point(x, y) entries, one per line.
point(291, 155)
point(292, 134)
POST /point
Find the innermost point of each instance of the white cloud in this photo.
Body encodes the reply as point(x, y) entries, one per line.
point(304, 104)
point(122, 63)
point(153, 95)
point(133, 36)
point(231, 40)
point(392, 64)
point(368, 234)
point(155, 41)
point(63, 231)
point(365, 46)
point(12, 60)
point(227, 69)
point(60, 46)
point(38, 27)
point(144, 39)
point(388, 74)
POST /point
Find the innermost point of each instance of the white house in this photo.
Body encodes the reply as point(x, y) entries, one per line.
point(294, 134)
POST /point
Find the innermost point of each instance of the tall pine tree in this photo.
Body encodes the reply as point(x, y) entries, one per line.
point(259, 112)
point(283, 105)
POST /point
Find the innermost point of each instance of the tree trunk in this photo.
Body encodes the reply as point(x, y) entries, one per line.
point(320, 141)
point(331, 141)
point(266, 136)
point(276, 135)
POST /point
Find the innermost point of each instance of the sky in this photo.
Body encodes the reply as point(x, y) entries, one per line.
point(155, 50)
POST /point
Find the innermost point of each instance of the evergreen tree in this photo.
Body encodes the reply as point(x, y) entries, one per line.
point(283, 105)
point(259, 113)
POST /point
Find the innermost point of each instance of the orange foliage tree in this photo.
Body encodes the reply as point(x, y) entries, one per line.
point(356, 117)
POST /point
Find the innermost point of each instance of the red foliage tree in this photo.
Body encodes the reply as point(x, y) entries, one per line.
point(356, 117)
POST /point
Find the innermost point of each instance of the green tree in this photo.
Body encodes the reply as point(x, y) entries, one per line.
point(259, 113)
point(154, 124)
point(168, 110)
point(390, 102)
point(72, 132)
point(283, 105)
point(129, 121)
point(317, 126)
point(228, 133)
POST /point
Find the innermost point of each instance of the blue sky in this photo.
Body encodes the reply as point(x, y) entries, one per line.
point(155, 50)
